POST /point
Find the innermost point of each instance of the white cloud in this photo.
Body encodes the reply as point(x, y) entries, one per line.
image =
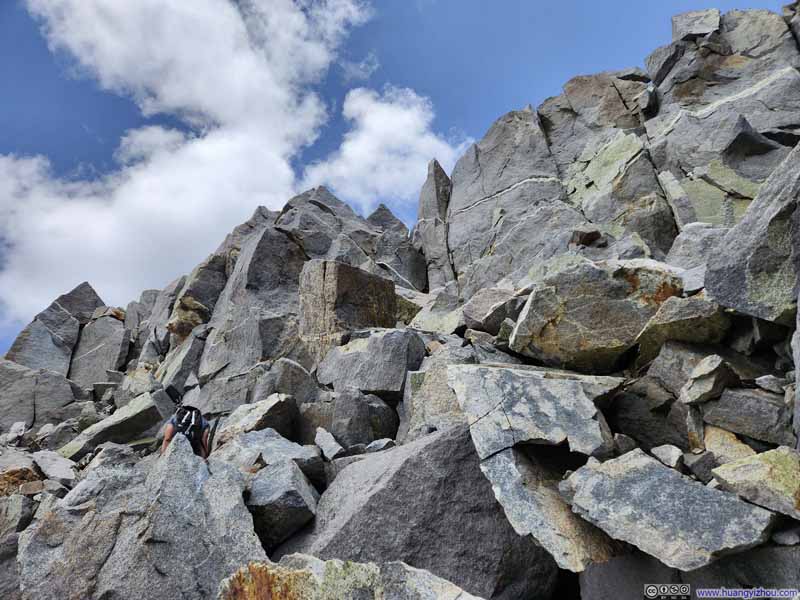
point(359, 71)
point(241, 76)
point(383, 157)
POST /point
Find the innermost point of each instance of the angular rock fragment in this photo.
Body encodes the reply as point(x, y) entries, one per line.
point(690, 25)
point(331, 449)
point(391, 505)
point(181, 362)
point(251, 451)
point(585, 316)
point(352, 417)
point(691, 251)
point(428, 402)
point(488, 308)
point(286, 376)
point(725, 446)
point(48, 341)
point(34, 397)
point(671, 456)
point(679, 521)
point(374, 362)
point(380, 445)
point(430, 232)
point(508, 406)
point(281, 501)
point(125, 527)
point(527, 489)
point(301, 576)
point(691, 320)
point(336, 298)
point(770, 479)
point(278, 412)
point(710, 377)
point(754, 268)
point(755, 413)
point(103, 345)
point(125, 425)
point(55, 467)
point(16, 513)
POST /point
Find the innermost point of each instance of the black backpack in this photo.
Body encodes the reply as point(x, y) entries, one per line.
point(189, 422)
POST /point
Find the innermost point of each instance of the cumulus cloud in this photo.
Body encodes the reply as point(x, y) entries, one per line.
point(384, 155)
point(241, 76)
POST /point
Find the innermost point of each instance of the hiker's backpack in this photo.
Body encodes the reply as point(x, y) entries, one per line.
point(189, 422)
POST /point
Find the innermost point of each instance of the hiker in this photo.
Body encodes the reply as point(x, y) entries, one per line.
point(189, 421)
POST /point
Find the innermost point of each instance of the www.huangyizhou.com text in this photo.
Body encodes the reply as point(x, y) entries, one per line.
point(751, 593)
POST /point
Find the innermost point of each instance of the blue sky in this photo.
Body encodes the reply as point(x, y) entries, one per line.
point(472, 60)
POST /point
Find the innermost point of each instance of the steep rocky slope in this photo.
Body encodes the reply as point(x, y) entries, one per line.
point(573, 377)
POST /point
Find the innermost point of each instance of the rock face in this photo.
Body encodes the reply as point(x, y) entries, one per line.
point(103, 345)
point(430, 232)
point(34, 397)
point(584, 315)
point(48, 341)
point(301, 576)
point(123, 528)
point(637, 499)
point(754, 269)
point(336, 298)
point(389, 505)
point(16, 513)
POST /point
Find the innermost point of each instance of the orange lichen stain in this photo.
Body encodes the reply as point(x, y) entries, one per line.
point(666, 290)
point(263, 581)
point(633, 279)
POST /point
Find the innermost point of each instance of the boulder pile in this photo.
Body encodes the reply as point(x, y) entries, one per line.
point(574, 376)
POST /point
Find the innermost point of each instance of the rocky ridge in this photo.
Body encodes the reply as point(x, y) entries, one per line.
point(577, 368)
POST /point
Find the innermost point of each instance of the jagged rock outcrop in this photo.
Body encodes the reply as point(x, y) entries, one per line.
point(582, 358)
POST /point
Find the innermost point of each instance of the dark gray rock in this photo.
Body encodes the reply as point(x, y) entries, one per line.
point(526, 486)
point(281, 501)
point(125, 527)
point(34, 397)
point(55, 467)
point(48, 341)
point(428, 402)
point(197, 298)
point(430, 232)
point(103, 345)
point(373, 361)
point(286, 376)
point(255, 449)
point(352, 417)
point(754, 269)
point(395, 253)
point(152, 339)
point(409, 504)
point(255, 318)
point(679, 521)
point(770, 567)
point(336, 298)
point(624, 577)
point(16, 513)
point(181, 362)
point(755, 413)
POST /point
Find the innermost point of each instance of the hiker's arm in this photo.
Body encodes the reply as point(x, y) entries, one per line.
point(169, 432)
point(206, 449)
